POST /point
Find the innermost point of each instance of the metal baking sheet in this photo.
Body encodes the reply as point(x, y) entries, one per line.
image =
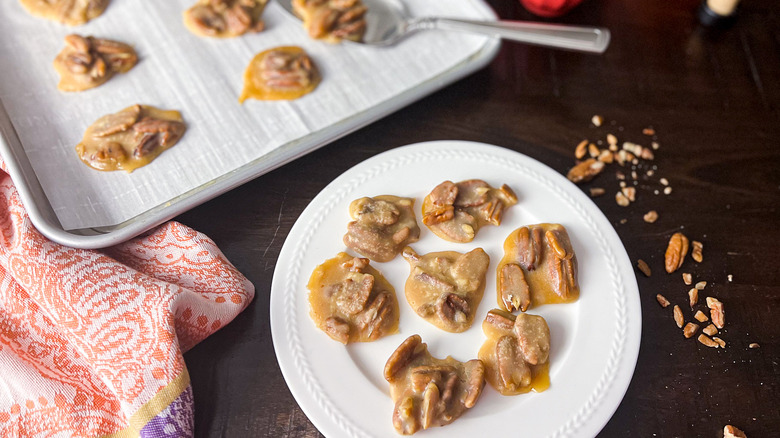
point(36, 130)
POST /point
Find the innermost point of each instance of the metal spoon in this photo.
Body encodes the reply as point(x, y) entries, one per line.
point(388, 22)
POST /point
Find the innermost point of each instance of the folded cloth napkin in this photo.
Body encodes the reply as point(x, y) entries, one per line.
point(91, 342)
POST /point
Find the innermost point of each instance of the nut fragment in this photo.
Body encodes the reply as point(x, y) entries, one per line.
point(593, 150)
point(597, 120)
point(606, 156)
point(585, 171)
point(581, 149)
point(612, 140)
point(732, 432)
point(648, 131)
point(643, 267)
point(630, 193)
point(690, 329)
point(696, 252)
point(621, 199)
point(675, 252)
point(687, 278)
point(693, 297)
point(710, 330)
point(651, 216)
point(700, 316)
point(701, 285)
point(596, 191)
point(706, 340)
point(754, 345)
point(662, 300)
point(717, 313)
point(721, 342)
point(678, 316)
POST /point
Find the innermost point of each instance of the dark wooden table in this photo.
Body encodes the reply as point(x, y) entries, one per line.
point(714, 102)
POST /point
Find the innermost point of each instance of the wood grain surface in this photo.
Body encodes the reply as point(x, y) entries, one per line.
point(713, 100)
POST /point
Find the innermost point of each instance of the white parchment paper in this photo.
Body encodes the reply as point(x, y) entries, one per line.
point(202, 78)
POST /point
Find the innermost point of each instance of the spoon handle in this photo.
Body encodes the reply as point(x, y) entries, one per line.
point(581, 38)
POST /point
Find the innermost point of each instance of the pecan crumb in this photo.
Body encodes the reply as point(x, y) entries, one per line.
point(701, 285)
point(693, 297)
point(597, 120)
point(754, 345)
point(710, 330)
point(667, 190)
point(700, 316)
point(655, 145)
point(651, 216)
point(717, 313)
point(596, 191)
point(593, 151)
point(621, 199)
point(612, 140)
point(630, 192)
point(704, 339)
point(662, 300)
point(642, 265)
point(648, 131)
point(664, 181)
point(581, 149)
point(730, 278)
point(696, 252)
point(678, 316)
point(687, 278)
point(721, 342)
point(690, 329)
point(732, 432)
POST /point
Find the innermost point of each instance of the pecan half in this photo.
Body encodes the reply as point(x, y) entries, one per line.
point(117, 122)
point(338, 329)
point(675, 252)
point(530, 247)
point(533, 338)
point(513, 371)
point(402, 355)
point(514, 290)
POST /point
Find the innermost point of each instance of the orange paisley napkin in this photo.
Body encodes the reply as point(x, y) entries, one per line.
point(91, 342)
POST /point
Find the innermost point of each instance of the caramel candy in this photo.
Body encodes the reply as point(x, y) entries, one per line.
point(351, 301)
point(539, 267)
point(383, 226)
point(130, 138)
point(429, 392)
point(445, 288)
point(225, 18)
point(332, 20)
point(455, 212)
point(516, 353)
point(87, 62)
point(70, 12)
point(282, 73)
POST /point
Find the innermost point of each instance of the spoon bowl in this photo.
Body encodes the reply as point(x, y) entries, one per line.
point(387, 22)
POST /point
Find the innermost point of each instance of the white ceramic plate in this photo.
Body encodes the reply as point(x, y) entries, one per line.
point(595, 341)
